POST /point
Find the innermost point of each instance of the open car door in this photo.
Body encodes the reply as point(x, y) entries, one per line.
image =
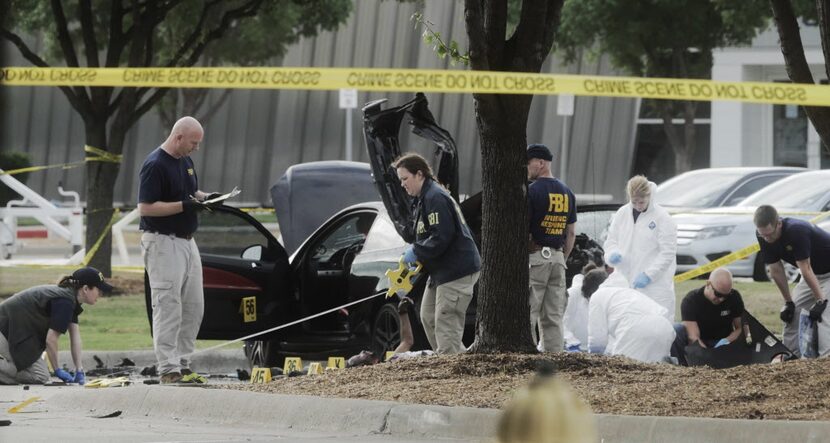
point(381, 129)
point(246, 275)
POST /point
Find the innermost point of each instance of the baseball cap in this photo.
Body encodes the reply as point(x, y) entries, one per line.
point(91, 277)
point(538, 150)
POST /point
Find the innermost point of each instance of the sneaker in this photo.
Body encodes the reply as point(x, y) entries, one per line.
point(193, 378)
point(171, 377)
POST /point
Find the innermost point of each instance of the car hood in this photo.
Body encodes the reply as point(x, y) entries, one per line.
point(308, 194)
point(381, 129)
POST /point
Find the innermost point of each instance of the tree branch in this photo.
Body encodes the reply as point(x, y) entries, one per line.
point(249, 9)
point(475, 30)
point(68, 47)
point(88, 32)
point(191, 39)
point(64, 38)
point(537, 18)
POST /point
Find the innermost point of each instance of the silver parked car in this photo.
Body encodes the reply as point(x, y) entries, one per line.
point(715, 187)
point(713, 233)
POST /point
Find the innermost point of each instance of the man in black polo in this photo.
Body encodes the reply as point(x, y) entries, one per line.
point(168, 199)
point(807, 247)
point(711, 315)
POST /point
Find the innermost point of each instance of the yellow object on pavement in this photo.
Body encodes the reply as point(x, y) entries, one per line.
point(108, 382)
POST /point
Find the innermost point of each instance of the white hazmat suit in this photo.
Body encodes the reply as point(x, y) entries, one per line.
point(648, 245)
point(622, 321)
point(576, 316)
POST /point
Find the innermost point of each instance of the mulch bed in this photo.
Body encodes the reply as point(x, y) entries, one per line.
point(795, 390)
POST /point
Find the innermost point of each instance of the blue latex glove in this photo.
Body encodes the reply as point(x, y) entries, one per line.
point(409, 256)
point(615, 258)
point(721, 342)
point(572, 348)
point(641, 280)
point(65, 376)
point(80, 378)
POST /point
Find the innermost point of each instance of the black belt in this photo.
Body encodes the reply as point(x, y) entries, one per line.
point(182, 236)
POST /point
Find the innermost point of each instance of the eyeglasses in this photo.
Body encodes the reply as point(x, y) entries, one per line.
point(719, 294)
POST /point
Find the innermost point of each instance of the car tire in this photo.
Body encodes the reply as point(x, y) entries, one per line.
point(386, 330)
point(263, 353)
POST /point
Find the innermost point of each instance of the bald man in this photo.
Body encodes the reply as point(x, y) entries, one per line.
point(711, 315)
point(168, 200)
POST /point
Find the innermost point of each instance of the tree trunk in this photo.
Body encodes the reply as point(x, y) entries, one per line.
point(503, 315)
point(797, 68)
point(100, 186)
point(684, 154)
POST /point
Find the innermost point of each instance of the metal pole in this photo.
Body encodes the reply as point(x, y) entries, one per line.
point(563, 162)
point(348, 135)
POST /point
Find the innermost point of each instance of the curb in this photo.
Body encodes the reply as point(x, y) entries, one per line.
point(365, 417)
point(214, 362)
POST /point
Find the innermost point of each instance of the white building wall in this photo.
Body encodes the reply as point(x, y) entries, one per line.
point(742, 133)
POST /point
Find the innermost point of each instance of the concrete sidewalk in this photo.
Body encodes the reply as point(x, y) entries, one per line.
point(419, 421)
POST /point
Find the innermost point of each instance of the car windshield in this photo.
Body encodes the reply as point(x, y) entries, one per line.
point(696, 190)
point(806, 192)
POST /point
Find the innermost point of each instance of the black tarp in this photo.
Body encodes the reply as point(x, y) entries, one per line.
point(761, 348)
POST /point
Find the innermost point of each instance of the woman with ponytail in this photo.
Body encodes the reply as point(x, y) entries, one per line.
point(33, 320)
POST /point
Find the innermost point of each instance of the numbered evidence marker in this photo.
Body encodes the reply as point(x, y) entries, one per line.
point(261, 375)
point(315, 368)
point(248, 309)
point(389, 355)
point(336, 363)
point(292, 364)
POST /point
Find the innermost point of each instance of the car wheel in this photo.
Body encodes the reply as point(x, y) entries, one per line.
point(386, 334)
point(262, 353)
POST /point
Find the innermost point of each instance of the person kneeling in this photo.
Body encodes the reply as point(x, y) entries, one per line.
point(711, 315)
point(624, 321)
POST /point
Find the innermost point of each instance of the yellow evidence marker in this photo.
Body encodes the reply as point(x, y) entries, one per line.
point(400, 279)
point(292, 364)
point(261, 375)
point(315, 368)
point(336, 363)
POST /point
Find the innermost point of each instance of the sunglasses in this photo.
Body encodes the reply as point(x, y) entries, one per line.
point(719, 294)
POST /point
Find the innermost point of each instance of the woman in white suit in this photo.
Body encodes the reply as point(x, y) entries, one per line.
point(642, 244)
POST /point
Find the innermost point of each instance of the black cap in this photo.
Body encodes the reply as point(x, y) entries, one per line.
point(538, 150)
point(91, 277)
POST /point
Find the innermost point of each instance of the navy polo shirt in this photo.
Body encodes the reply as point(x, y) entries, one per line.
point(551, 206)
point(165, 178)
point(799, 240)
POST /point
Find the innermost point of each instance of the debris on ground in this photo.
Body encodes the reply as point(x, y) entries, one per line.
point(793, 390)
point(125, 362)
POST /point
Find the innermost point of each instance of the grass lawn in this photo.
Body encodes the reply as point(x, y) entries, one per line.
point(120, 322)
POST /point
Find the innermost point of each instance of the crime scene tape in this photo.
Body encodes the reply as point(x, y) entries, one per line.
point(99, 155)
point(737, 255)
point(420, 80)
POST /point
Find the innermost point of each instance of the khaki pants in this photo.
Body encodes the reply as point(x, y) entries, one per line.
point(36, 374)
point(175, 270)
point(803, 298)
point(443, 312)
point(548, 299)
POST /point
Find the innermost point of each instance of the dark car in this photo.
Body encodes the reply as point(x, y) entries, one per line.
point(253, 284)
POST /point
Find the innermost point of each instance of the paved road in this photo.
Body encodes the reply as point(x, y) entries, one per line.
point(40, 422)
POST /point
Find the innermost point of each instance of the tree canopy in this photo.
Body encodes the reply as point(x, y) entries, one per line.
point(164, 33)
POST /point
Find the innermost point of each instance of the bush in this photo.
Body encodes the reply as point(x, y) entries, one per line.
point(9, 161)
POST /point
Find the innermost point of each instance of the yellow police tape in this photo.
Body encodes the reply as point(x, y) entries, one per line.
point(735, 256)
point(99, 156)
point(420, 80)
